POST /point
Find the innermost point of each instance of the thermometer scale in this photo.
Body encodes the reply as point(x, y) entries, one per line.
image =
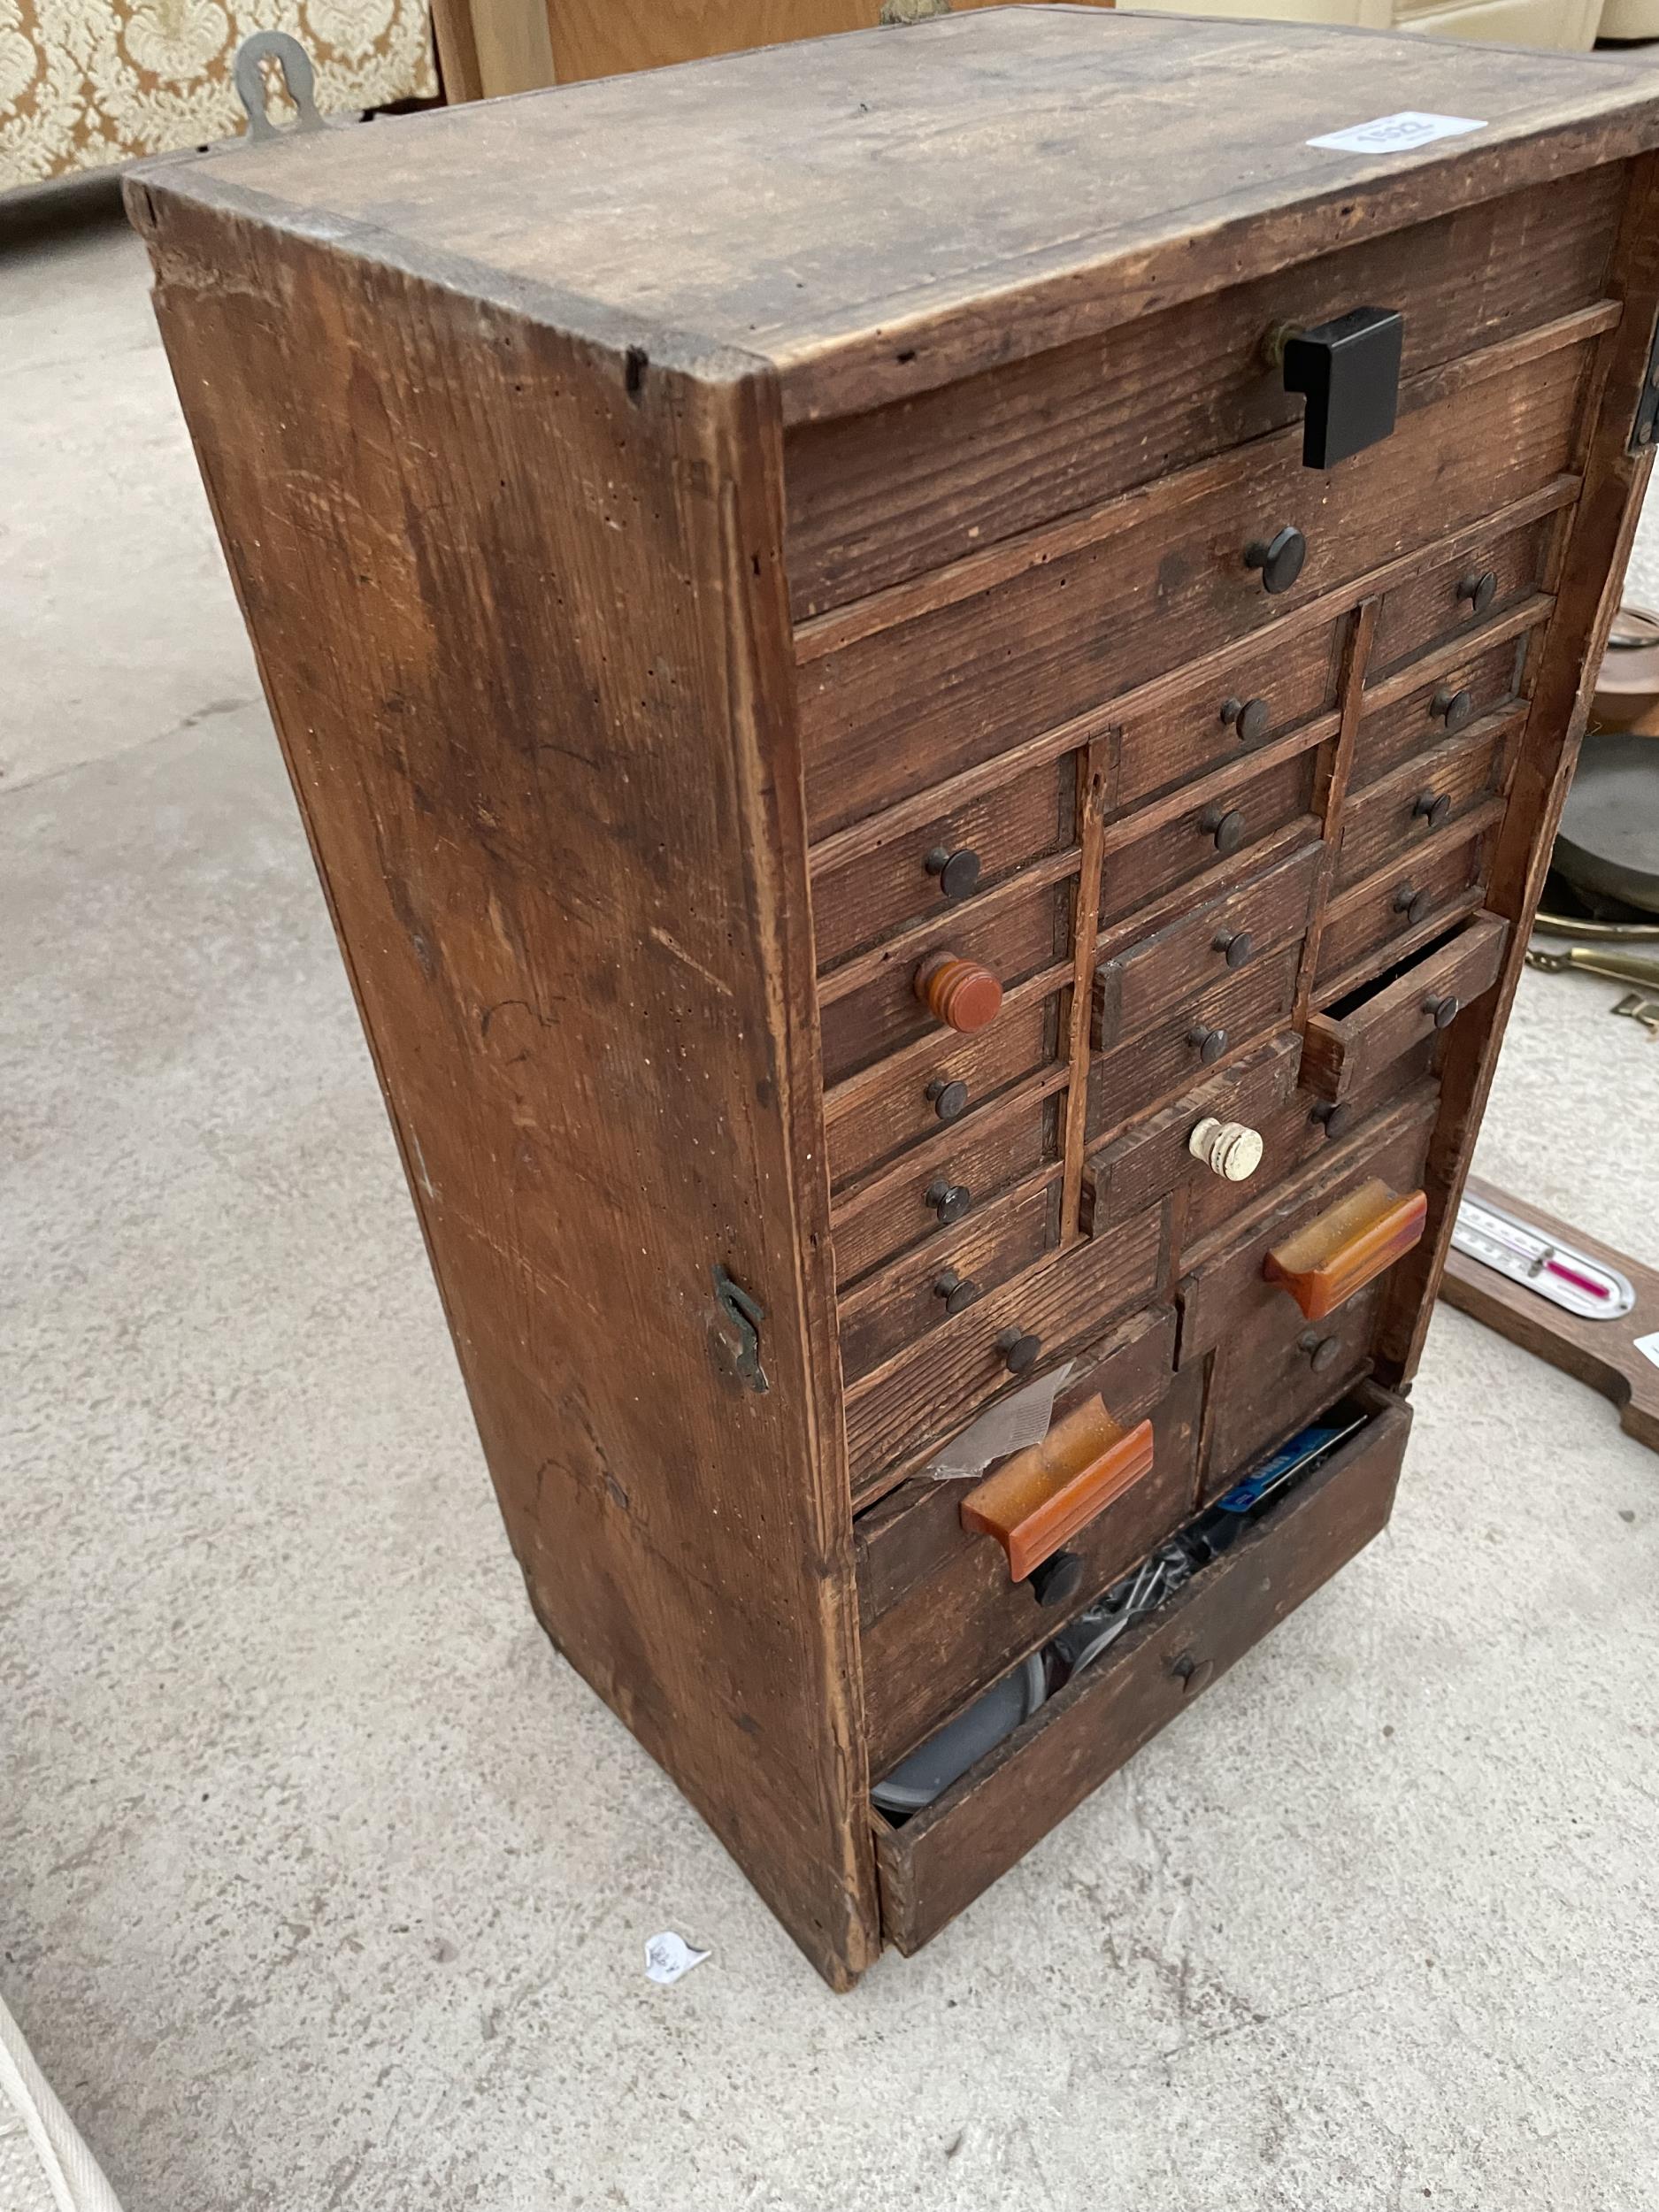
point(1565, 1276)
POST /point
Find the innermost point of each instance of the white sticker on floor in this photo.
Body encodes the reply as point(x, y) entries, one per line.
point(1400, 134)
point(1648, 1346)
point(668, 1956)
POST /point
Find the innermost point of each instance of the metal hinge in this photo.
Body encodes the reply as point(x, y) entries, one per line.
point(1646, 430)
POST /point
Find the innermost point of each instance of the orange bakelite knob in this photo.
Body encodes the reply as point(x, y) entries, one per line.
point(959, 993)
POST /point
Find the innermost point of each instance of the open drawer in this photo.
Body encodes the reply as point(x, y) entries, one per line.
point(1348, 1044)
point(941, 1858)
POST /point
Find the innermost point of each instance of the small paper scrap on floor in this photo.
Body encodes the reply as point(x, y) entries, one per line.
point(668, 1956)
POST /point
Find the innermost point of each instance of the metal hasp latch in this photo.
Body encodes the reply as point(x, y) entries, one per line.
point(1646, 428)
point(745, 1315)
point(1348, 372)
point(248, 76)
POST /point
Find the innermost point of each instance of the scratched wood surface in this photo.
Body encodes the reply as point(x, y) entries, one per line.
point(881, 212)
point(591, 1033)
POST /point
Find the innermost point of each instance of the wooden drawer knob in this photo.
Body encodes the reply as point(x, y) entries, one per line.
point(1019, 1351)
point(1225, 825)
point(1210, 1044)
point(959, 993)
point(1348, 1246)
point(1058, 1579)
point(958, 1292)
point(1227, 1148)
point(1480, 587)
point(1433, 806)
point(1036, 1501)
point(1333, 1119)
point(1323, 1351)
point(1280, 559)
point(1235, 945)
point(1443, 1011)
point(950, 1200)
point(949, 1096)
point(1252, 718)
point(1456, 709)
point(1413, 904)
point(959, 872)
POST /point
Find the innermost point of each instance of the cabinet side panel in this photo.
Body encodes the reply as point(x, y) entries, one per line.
point(520, 618)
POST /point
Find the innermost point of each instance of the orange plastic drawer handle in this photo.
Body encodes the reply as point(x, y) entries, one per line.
point(1348, 1246)
point(1038, 1499)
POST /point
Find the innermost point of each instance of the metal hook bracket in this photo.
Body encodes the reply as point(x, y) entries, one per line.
point(247, 74)
point(745, 1315)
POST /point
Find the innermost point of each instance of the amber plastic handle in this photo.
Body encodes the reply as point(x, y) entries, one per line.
point(1347, 1246)
point(1038, 1499)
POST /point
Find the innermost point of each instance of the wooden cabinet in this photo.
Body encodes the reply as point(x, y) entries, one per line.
point(924, 891)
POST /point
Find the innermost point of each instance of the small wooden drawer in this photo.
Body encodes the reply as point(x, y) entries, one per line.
point(1385, 917)
point(1462, 596)
point(1013, 934)
point(1226, 1288)
point(1221, 712)
point(1277, 1373)
point(1175, 1050)
point(941, 474)
point(916, 1294)
point(900, 1102)
point(1301, 1130)
point(1204, 946)
point(927, 863)
point(990, 655)
point(941, 1617)
point(942, 1183)
point(1345, 1047)
point(941, 1858)
point(1400, 811)
point(1156, 1155)
point(1409, 725)
point(931, 1392)
point(1144, 862)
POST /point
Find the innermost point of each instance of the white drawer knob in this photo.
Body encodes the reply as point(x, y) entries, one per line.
point(1228, 1149)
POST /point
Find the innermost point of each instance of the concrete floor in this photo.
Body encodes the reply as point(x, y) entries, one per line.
point(324, 1883)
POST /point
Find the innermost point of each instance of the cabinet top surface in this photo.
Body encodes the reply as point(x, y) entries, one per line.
point(954, 182)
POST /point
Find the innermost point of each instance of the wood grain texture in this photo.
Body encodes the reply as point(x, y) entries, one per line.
point(943, 1857)
point(1156, 578)
point(1601, 1353)
point(743, 215)
point(903, 489)
point(592, 1037)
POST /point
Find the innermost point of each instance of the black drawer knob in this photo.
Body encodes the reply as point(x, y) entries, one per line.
point(1252, 718)
point(950, 1200)
point(1433, 806)
point(1060, 1577)
point(1279, 558)
point(1235, 945)
point(1333, 1119)
point(1454, 708)
point(1443, 1011)
point(958, 1292)
point(1019, 1352)
point(949, 1097)
point(1322, 1352)
point(1480, 587)
point(959, 872)
point(1225, 825)
point(1412, 903)
point(1349, 369)
point(1210, 1044)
